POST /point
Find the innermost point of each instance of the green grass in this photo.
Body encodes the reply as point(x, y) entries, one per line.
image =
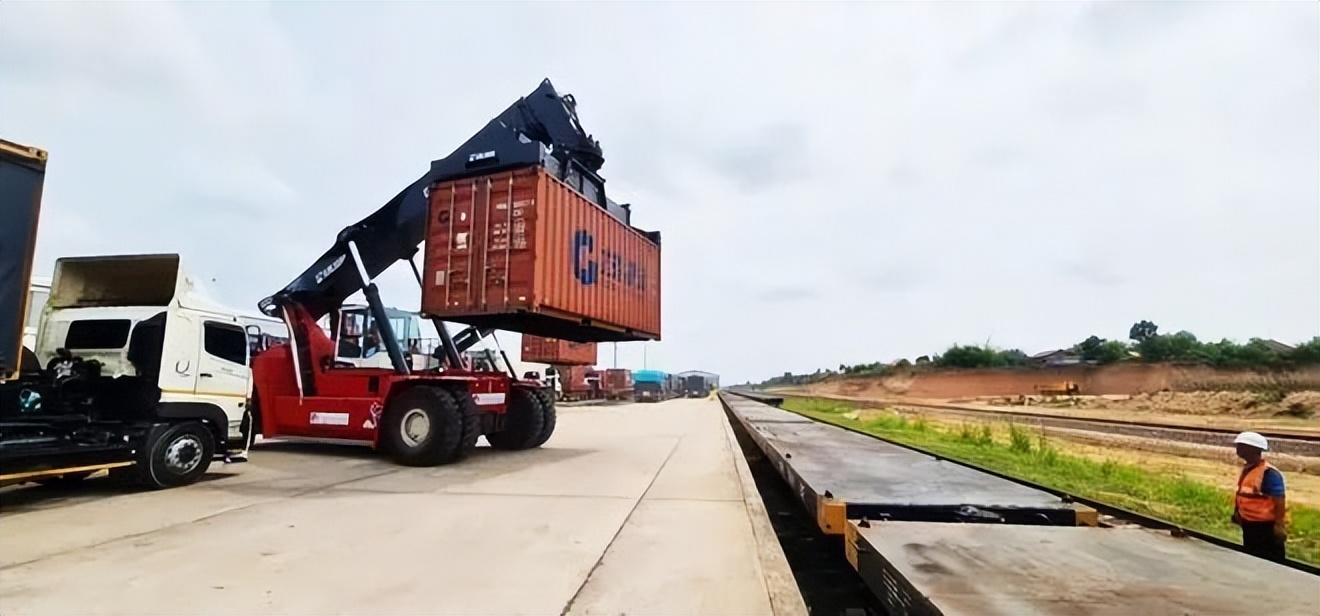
point(1023, 453)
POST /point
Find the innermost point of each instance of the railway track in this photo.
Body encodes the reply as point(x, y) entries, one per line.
point(1307, 445)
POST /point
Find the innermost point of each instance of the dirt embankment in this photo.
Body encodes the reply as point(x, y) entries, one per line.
point(1300, 404)
point(1162, 388)
point(1244, 400)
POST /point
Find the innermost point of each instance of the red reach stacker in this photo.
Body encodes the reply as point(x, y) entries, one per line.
point(420, 417)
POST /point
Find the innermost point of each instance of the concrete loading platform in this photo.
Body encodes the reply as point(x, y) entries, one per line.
point(636, 509)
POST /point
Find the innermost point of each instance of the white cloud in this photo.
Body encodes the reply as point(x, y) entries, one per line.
point(835, 183)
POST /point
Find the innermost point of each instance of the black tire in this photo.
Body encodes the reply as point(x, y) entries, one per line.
point(66, 480)
point(471, 422)
point(523, 422)
point(548, 418)
point(176, 456)
point(426, 426)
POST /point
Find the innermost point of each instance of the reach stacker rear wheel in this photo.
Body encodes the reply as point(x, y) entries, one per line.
point(524, 422)
point(548, 416)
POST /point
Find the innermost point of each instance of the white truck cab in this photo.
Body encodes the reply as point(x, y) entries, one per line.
point(143, 316)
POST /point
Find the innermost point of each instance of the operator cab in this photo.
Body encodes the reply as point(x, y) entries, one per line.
point(358, 341)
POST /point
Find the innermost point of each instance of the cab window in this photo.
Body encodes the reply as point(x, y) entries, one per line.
point(36, 303)
point(227, 342)
point(97, 334)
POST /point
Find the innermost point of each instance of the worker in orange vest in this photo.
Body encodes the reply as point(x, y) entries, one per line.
point(1258, 504)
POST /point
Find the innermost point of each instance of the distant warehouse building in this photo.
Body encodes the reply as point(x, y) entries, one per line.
point(696, 383)
point(1056, 358)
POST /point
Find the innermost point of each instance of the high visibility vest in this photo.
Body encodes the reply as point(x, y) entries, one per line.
point(1252, 506)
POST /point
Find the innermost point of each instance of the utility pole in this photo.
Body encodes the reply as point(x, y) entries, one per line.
point(616, 355)
point(644, 365)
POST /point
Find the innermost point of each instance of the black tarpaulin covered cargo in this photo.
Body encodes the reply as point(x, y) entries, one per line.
point(22, 175)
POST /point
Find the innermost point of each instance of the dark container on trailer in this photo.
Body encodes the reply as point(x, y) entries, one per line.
point(522, 251)
point(695, 385)
point(541, 350)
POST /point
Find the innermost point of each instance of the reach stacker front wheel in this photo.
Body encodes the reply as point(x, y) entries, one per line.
point(427, 426)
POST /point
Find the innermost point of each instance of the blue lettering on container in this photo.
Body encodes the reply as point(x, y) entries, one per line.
point(610, 265)
point(584, 269)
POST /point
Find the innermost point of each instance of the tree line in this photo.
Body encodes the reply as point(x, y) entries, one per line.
point(1144, 344)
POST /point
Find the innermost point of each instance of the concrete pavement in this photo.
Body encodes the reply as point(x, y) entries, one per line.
point(636, 509)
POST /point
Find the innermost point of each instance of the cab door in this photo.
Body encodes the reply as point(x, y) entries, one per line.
point(177, 376)
point(222, 371)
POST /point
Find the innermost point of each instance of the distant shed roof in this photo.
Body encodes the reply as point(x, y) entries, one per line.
point(1278, 347)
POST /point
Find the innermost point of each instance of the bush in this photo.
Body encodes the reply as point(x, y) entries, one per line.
point(1306, 353)
point(973, 356)
point(967, 357)
point(1153, 348)
point(1048, 455)
point(1181, 346)
point(1101, 351)
point(1018, 439)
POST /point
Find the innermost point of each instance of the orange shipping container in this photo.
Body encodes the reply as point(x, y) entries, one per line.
point(573, 379)
point(559, 352)
point(617, 382)
point(522, 251)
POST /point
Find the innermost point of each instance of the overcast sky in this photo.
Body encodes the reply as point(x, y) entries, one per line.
point(835, 183)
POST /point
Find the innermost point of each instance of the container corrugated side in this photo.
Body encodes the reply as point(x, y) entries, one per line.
point(543, 350)
point(616, 380)
point(522, 251)
point(574, 378)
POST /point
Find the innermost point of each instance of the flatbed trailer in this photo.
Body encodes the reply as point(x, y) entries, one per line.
point(935, 537)
point(929, 569)
point(843, 475)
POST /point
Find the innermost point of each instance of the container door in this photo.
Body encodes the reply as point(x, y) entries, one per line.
point(222, 371)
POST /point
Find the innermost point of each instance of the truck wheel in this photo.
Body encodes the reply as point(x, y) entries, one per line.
point(523, 422)
point(176, 456)
point(547, 416)
point(425, 426)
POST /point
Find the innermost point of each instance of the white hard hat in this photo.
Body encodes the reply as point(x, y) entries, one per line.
point(1253, 439)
